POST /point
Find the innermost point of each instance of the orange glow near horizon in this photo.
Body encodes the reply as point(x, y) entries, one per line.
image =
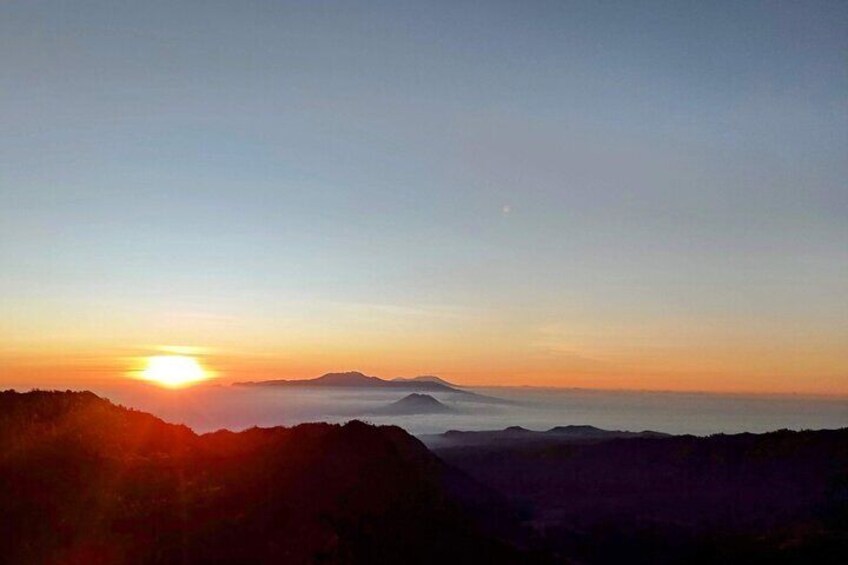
point(517, 217)
point(174, 371)
point(816, 368)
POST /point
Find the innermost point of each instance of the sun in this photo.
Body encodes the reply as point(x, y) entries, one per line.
point(174, 370)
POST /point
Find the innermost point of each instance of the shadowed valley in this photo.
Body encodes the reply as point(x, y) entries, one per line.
point(87, 481)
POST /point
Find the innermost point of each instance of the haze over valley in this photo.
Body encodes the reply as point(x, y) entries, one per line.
point(211, 407)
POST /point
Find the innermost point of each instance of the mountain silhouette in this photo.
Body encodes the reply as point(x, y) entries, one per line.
point(352, 378)
point(355, 379)
point(85, 481)
point(426, 379)
point(415, 403)
point(517, 435)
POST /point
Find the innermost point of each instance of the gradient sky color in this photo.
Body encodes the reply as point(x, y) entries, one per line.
point(597, 194)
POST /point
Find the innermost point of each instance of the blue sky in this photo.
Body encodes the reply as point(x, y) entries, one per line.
point(529, 178)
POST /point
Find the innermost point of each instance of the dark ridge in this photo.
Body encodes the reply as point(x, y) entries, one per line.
point(779, 497)
point(575, 429)
point(86, 481)
point(517, 435)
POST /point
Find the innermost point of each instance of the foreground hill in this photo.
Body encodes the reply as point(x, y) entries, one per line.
point(780, 497)
point(85, 481)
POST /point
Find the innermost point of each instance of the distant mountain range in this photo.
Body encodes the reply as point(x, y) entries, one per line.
point(355, 379)
point(425, 379)
point(523, 436)
point(413, 404)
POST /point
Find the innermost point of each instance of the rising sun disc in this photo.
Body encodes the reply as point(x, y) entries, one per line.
point(174, 370)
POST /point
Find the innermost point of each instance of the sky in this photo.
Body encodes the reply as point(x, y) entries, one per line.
point(646, 195)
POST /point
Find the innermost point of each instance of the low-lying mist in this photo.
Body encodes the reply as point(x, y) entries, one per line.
point(211, 407)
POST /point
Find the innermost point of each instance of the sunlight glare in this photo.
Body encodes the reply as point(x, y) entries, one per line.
point(174, 370)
